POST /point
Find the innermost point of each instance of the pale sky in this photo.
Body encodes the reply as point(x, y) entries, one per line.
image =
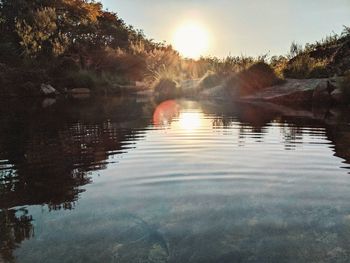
point(248, 27)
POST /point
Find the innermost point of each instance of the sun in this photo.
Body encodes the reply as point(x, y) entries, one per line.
point(191, 40)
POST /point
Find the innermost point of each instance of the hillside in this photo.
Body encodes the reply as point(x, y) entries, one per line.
point(325, 58)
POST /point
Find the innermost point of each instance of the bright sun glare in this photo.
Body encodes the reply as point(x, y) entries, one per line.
point(190, 121)
point(191, 40)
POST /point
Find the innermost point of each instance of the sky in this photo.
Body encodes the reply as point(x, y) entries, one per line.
point(238, 27)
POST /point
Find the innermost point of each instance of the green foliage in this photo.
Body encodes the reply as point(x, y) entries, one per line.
point(41, 34)
point(318, 60)
point(79, 44)
point(65, 26)
point(64, 65)
point(67, 38)
point(98, 83)
point(81, 79)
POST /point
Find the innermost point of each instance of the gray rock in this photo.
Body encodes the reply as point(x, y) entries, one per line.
point(292, 91)
point(48, 90)
point(218, 92)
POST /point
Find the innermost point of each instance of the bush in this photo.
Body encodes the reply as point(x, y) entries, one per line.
point(67, 64)
point(165, 89)
point(9, 54)
point(80, 79)
point(303, 66)
point(209, 80)
point(255, 78)
point(278, 63)
point(227, 65)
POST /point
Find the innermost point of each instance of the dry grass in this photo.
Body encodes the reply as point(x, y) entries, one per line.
point(304, 66)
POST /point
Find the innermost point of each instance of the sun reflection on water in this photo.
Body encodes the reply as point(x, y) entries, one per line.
point(190, 121)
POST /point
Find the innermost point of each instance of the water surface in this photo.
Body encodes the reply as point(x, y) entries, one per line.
point(126, 180)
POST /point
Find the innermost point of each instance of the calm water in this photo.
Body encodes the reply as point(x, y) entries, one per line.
point(125, 180)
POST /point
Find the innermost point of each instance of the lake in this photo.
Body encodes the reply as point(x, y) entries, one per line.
point(132, 180)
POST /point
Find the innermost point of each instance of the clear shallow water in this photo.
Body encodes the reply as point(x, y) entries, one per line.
point(122, 180)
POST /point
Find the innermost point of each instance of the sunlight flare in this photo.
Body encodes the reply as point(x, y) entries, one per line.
point(190, 121)
point(191, 40)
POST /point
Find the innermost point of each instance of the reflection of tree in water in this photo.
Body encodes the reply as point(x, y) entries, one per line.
point(339, 133)
point(253, 120)
point(291, 135)
point(15, 226)
point(49, 153)
point(52, 152)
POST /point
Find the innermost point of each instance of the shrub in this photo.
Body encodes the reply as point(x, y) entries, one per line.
point(227, 65)
point(66, 64)
point(62, 66)
point(165, 89)
point(132, 66)
point(303, 66)
point(9, 54)
point(255, 78)
point(278, 63)
point(80, 79)
point(209, 80)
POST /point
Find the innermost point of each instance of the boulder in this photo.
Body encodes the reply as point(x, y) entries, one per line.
point(218, 93)
point(292, 91)
point(48, 90)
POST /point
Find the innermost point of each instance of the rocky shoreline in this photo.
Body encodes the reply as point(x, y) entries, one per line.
point(291, 92)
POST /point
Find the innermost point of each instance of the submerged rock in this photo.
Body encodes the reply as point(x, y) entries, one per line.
point(47, 102)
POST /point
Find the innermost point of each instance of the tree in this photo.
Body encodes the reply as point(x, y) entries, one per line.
point(41, 34)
